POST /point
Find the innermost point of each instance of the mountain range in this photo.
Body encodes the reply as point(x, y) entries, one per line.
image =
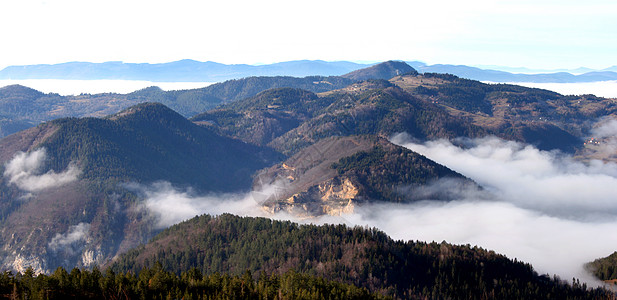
point(195, 71)
point(107, 176)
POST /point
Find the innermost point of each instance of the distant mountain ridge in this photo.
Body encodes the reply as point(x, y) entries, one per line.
point(178, 71)
point(315, 145)
point(195, 71)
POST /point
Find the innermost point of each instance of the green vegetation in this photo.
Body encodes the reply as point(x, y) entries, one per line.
point(385, 70)
point(379, 172)
point(150, 142)
point(157, 283)
point(143, 144)
point(24, 107)
point(381, 111)
point(363, 257)
point(262, 118)
point(604, 268)
point(543, 118)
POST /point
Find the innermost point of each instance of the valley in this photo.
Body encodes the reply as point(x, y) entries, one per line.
point(310, 149)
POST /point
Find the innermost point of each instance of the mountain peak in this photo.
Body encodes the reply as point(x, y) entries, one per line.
point(17, 90)
point(384, 70)
point(146, 110)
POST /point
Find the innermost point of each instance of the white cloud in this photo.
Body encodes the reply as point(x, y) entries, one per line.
point(551, 244)
point(169, 205)
point(540, 207)
point(70, 241)
point(606, 128)
point(24, 171)
point(523, 175)
point(606, 89)
point(544, 208)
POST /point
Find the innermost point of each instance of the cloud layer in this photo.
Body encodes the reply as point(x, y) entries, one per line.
point(24, 170)
point(540, 207)
point(169, 205)
point(549, 182)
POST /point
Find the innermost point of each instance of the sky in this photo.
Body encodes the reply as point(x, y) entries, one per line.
point(546, 34)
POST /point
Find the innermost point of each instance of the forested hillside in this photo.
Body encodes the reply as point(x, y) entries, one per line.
point(73, 176)
point(363, 257)
point(543, 118)
point(604, 268)
point(80, 191)
point(156, 283)
point(336, 174)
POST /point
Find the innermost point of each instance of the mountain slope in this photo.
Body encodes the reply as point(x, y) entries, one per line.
point(264, 117)
point(22, 107)
point(182, 70)
point(64, 198)
point(151, 142)
point(363, 257)
point(540, 117)
point(336, 174)
point(289, 120)
point(604, 268)
point(385, 70)
point(375, 107)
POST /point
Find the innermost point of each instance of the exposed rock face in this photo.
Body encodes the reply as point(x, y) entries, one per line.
point(307, 185)
point(332, 197)
point(336, 174)
point(21, 263)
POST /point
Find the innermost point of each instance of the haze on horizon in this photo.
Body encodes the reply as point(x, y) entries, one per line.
point(545, 34)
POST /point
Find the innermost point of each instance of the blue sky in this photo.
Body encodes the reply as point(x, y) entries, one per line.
point(534, 34)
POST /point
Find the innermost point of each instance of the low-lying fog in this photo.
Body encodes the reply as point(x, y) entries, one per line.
point(76, 87)
point(607, 89)
point(541, 207)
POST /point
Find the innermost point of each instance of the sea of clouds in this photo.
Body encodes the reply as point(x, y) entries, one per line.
point(545, 208)
point(541, 207)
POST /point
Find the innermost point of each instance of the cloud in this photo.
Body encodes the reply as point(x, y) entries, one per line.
point(169, 205)
point(550, 182)
point(71, 241)
point(541, 207)
point(599, 88)
point(24, 170)
point(544, 208)
point(605, 134)
point(605, 128)
point(551, 244)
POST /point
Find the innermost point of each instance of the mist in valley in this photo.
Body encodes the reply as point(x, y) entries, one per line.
point(544, 208)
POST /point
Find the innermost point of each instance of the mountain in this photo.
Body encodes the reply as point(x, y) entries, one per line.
point(363, 257)
point(369, 107)
point(604, 268)
point(611, 69)
point(22, 107)
point(192, 102)
point(385, 70)
point(68, 185)
point(195, 71)
point(535, 116)
point(45, 107)
point(336, 174)
point(502, 76)
point(178, 71)
point(427, 106)
point(80, 192)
